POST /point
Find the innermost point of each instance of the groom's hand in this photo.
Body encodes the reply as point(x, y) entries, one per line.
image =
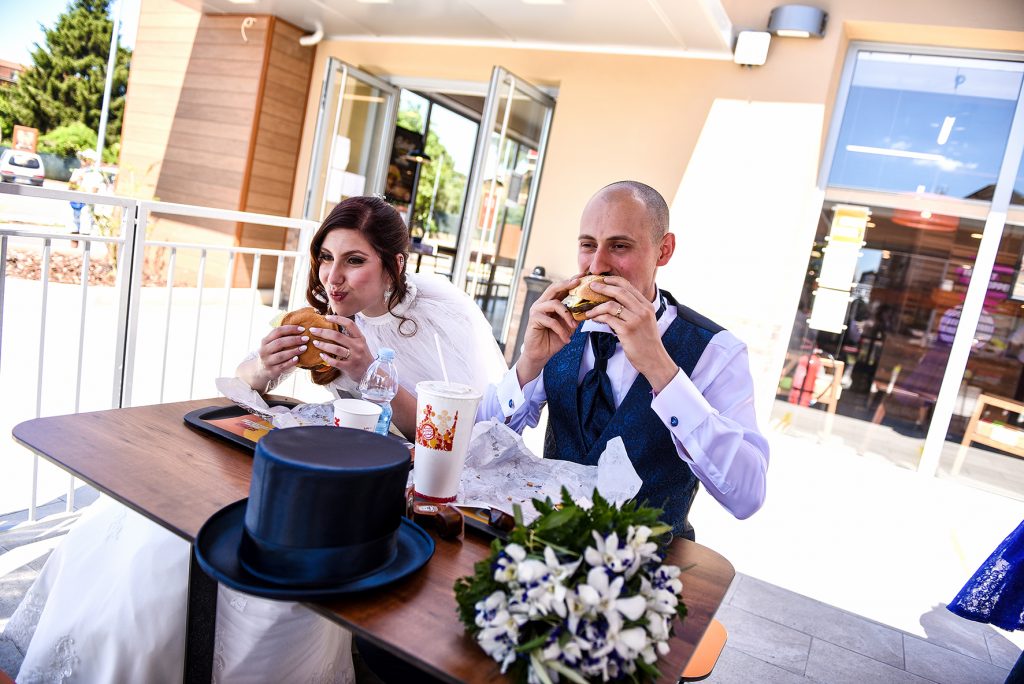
point(548, 329)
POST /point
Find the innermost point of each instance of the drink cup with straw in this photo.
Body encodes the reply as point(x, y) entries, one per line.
point(445, 413)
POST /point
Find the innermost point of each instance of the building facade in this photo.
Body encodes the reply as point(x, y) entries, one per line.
point(232, 111)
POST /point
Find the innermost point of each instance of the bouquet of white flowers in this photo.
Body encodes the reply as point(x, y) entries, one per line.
point(578, 595)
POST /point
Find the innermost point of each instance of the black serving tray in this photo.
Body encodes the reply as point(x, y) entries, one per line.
point(200, 419)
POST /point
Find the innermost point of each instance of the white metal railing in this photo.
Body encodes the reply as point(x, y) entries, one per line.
point(108, 318)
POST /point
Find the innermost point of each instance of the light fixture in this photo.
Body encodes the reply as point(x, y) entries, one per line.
point(947, 128)
point(925, 220)
point(797, 21)
point(751, 48)
point(418, 156)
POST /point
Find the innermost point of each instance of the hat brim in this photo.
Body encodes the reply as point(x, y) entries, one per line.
point(217, 545)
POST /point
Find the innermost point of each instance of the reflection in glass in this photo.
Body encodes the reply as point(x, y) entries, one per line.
point(926, 124)
point(990, 408)
point(506, 184)
point(350, 135)
point(874, 384)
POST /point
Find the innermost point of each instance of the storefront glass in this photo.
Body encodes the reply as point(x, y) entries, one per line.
point(991, 415)
point(871, 361)
point(887, 360)
point(355, 125)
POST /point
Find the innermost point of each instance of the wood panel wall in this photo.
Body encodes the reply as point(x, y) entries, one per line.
point(275, 149)
point(213, 117)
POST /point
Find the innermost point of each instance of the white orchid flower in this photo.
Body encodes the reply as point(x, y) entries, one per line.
point(487, 610)
point(599, 597)
point(637, 539)
point(507, 563)
point(606, 552)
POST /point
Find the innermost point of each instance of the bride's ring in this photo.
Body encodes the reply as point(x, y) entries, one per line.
point(618, 312)
point(348, 353)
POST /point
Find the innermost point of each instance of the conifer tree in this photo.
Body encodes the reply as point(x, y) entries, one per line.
point(65, 82)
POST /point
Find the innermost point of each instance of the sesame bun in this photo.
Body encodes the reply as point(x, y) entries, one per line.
point(582, 299)
point(309, 318)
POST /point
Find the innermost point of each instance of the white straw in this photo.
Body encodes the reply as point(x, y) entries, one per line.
point(440, 357)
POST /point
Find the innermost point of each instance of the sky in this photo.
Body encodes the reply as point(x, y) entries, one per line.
point(21, 20)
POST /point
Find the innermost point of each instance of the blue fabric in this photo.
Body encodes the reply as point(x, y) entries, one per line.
point(596, 400)
point(668, 481)
point(995, 593)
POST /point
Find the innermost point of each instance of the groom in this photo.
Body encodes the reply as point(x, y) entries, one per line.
point(674, 385)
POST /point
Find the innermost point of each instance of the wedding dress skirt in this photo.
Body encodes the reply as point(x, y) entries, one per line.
point(110, 606)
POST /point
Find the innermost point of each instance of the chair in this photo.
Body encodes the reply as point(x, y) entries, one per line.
point(705, 656)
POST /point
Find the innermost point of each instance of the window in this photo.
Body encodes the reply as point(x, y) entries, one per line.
point(926, 124)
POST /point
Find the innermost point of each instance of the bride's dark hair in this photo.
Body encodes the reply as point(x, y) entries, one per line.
point(384, 229)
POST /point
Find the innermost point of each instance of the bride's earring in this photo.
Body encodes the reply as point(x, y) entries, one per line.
point(387, 295)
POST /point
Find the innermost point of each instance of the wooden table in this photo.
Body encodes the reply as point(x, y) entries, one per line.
point(1008, 438)
point(150, 460)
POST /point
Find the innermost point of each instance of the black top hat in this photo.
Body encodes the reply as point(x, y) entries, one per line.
point(323, 518)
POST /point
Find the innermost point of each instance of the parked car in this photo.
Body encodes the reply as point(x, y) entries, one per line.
point(17, 166)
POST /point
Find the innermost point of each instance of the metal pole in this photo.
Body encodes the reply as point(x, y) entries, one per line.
point(107, 86)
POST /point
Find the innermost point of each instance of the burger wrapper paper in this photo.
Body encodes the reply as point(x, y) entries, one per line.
point(279, 416)
point(501, 471)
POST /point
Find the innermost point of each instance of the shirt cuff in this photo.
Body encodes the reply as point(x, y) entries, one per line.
point(681, 406)
point(510, 396)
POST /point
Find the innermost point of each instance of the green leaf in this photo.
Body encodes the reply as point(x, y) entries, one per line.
point(533, 643)
point(566, 672)
point(538, 668)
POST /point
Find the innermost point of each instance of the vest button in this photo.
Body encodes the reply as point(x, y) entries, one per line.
point(674, 422)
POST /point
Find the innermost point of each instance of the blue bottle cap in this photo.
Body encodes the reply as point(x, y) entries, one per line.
point(386, 354)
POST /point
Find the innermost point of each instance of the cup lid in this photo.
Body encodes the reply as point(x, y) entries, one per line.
point(448, 390)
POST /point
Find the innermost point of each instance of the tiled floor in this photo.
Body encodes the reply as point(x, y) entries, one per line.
point(813, 600)
point(776, 635)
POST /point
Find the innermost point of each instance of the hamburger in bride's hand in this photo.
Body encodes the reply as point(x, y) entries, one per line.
point(309, 318)
point(582, 299)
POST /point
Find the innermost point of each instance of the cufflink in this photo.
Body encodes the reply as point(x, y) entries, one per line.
point(674, 422)
point(511, 403)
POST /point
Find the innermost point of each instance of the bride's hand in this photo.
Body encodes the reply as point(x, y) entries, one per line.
point(346, 349)
point(279, 350)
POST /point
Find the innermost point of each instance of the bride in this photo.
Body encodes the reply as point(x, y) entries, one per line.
point(109, 605)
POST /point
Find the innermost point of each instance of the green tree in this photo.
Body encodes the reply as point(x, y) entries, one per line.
point(64, 84)
point(67, 140)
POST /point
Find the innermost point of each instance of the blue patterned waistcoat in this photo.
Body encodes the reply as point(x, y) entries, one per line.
point(668, 481)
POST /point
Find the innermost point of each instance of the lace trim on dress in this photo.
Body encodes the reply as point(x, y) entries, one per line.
point(60, 668)
point(117, 525)
point(22, 625)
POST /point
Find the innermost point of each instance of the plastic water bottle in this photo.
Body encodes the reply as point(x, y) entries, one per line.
point(379, 385)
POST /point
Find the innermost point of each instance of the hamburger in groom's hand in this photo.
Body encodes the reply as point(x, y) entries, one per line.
point(307, 318)
point(582, 299)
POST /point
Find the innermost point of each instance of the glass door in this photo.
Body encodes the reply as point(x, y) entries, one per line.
point(502, 193)
point(354, 130)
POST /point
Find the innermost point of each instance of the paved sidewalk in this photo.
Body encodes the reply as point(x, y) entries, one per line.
point(843, 576)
